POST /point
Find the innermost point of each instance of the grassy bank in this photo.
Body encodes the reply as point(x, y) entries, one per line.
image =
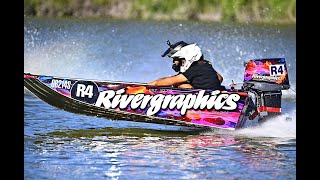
point(261, 11)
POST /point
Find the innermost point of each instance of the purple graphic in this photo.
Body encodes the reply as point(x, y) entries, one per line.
point(267, 70)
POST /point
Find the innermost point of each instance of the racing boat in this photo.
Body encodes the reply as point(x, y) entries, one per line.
point(257, 97)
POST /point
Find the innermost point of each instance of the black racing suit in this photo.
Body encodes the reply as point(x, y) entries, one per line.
point(201, 75)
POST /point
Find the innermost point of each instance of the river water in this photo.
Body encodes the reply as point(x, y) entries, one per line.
point(62, 145)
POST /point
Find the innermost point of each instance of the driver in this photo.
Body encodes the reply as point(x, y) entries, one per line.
point(193, 70)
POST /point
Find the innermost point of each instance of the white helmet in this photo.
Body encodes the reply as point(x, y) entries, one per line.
point(190, 53)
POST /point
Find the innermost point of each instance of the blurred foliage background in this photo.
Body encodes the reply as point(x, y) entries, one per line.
point(242, 11)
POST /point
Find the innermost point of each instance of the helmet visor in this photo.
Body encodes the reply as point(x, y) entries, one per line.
point(174, 48)
point(170, 51)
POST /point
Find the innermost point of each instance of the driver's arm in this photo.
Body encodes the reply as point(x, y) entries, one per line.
point(220, 77)
point(169, 81)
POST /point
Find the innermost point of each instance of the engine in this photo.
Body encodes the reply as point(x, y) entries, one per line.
point(264, 80)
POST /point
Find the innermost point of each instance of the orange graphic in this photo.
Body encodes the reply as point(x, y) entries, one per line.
point(138, 90)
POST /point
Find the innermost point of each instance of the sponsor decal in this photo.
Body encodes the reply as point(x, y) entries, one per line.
point(265, 78)
point(58, 83)
point(183, 102)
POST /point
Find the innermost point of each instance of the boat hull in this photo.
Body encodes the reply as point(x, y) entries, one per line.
point(136, 102)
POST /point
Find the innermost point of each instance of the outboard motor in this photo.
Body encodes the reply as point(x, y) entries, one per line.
point(263, 80)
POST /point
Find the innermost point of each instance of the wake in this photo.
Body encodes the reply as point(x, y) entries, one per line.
point(282, 126)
